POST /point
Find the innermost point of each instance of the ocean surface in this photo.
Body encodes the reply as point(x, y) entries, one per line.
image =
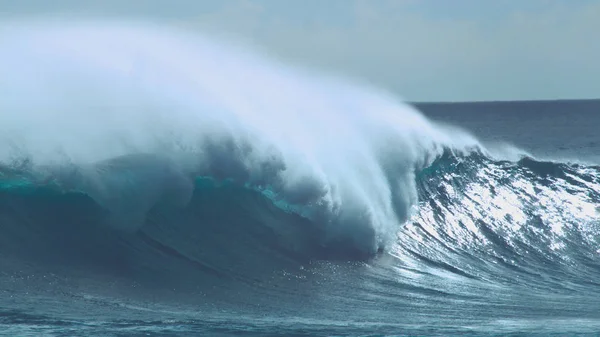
point(154, 182)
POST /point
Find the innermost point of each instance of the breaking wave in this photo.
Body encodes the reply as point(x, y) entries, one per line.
point(144, 148)
point(131, 114)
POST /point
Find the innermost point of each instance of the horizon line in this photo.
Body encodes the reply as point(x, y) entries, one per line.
point(506, 101)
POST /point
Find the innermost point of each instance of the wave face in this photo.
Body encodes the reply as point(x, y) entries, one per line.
point(164, 158)
point(484, 218)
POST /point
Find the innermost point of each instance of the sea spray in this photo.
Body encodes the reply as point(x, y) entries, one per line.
point(85, 92)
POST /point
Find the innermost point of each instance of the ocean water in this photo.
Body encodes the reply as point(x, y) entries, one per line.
point(154, 182)
point(562, 131)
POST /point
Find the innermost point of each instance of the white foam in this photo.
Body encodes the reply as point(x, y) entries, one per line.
point(88, 91)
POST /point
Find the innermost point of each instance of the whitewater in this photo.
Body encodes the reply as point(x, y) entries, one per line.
point(155, 180)
point(88, 93)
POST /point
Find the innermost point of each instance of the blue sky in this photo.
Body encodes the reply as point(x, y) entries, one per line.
point(424, 50)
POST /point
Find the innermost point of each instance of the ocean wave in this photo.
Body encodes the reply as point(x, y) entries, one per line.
point(89, 103)
point(144, 148)
point(491, 210)
point(526, 222)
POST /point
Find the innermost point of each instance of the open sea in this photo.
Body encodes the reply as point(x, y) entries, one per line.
point(154, 182)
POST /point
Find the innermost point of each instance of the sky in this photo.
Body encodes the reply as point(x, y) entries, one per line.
point(423, 50)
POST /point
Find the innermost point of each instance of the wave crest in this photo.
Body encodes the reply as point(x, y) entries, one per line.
point(87, 93)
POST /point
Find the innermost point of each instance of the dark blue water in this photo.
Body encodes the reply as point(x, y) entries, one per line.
point(552, 129)
point(496, 248)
